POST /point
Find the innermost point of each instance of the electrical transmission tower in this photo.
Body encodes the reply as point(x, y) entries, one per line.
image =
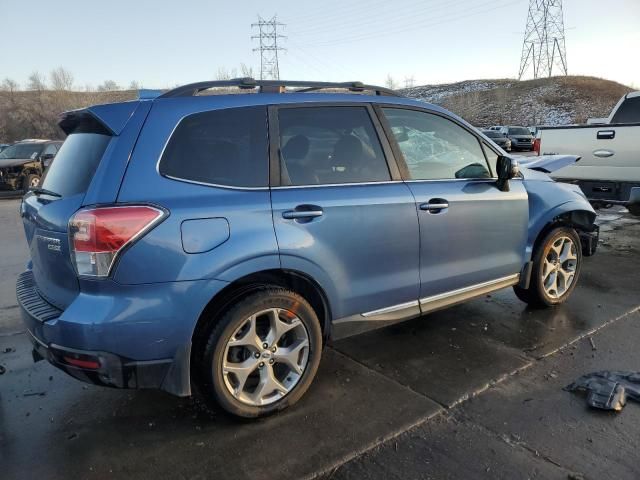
point(543, 49)
point(268, 37)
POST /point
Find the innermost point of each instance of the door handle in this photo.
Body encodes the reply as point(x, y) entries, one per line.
point(606, 135)
point(304, 212)
point(603, 153)
point(435, 205)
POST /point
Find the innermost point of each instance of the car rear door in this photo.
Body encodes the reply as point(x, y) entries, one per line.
point(341, 212)
point(472, 235)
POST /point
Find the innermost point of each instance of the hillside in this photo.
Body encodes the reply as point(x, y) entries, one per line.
point(34, 114)
point(548, 101)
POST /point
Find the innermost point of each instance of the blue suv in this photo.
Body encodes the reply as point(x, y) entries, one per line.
point(214, 243)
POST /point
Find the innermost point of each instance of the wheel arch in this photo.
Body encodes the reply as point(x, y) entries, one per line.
point(294, 280)
point(568, 215)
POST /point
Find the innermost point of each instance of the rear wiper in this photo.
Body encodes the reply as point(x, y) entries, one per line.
point(44, 191)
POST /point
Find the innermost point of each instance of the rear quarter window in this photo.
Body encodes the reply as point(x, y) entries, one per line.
point(227, 147)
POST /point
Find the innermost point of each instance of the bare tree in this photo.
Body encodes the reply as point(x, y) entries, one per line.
point(108, 86)
point(61, 79)
point(390, 82)
point(135, 85)
point(9, 85)
point(37, 82)
point(246, 70)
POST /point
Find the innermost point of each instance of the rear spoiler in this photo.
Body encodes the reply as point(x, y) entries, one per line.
point(109, 119)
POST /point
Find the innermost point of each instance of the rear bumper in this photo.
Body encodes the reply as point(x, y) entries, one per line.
point(112, 370)
point(134, 336)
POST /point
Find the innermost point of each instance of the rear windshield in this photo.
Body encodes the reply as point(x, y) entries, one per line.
point(519, 131)
point(22, 150)
point(493, 134)
point(629, 111)
point(76, 162)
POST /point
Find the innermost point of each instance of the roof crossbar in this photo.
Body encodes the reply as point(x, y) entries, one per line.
point(274, 86)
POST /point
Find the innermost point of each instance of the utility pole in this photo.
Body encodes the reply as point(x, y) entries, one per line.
point(268, 37)
point(409, 82)
point(543, 49)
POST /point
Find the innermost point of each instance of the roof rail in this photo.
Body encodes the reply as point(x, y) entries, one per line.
point(273, 86)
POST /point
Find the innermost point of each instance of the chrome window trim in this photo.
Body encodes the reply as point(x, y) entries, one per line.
point(350, 184)
point(218, 185)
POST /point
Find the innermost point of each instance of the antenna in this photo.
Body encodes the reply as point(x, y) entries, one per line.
point(544, 48)
point(268, 37)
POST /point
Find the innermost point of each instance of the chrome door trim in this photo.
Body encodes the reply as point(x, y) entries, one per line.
point(393, 308)
point(434, 302)
point(407, 310)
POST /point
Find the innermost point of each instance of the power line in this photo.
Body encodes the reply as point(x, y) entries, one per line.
point(543, 48)
point(478, 9)
point(400, 13)
point(268, 37)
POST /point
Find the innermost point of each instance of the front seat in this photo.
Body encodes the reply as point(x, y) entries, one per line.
point(347, 159)
point(293, 154)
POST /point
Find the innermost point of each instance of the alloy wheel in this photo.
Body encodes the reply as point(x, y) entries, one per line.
point(265, 357)
point(559, 267)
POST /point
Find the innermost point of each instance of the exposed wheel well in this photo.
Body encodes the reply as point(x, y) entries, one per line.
point(580, 220)
point(292, 280)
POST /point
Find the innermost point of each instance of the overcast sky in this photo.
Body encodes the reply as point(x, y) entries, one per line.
point(161, 44)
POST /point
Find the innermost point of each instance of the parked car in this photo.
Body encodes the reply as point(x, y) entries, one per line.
point(499, 139)
point(23, 163)
point(609, 171)
point(495, 127)
point(521, 138)
point(221, 240)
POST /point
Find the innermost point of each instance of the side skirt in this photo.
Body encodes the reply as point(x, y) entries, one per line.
point(359, 323)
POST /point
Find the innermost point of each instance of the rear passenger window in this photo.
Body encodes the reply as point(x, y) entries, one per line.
point(220, 147)
point(328, 145)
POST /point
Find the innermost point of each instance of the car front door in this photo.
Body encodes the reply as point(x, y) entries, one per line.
point(472, 235)
point(342, 214)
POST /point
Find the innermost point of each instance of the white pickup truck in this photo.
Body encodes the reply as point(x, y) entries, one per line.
point(609, 168)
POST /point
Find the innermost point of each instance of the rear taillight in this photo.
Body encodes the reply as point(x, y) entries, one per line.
point(98, 235)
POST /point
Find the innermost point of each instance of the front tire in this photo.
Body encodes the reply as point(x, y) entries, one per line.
point(556, 268)
point(31, 180)
point(262, 354)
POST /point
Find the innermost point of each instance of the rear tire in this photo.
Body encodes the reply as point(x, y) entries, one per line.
point(261, 355)
point(556, 268)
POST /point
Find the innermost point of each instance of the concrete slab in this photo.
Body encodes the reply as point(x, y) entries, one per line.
point(444, 448)
point(535, 412)
point(441, 362)
point(81, 431)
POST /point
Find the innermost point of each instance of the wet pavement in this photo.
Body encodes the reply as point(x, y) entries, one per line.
point(469, 392)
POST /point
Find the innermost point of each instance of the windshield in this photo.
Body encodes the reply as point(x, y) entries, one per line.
point(519, 131)
point(493, 134)
point(22, 150)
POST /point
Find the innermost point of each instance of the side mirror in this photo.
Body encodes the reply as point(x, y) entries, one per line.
point(507, 168)
point(47, 156)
